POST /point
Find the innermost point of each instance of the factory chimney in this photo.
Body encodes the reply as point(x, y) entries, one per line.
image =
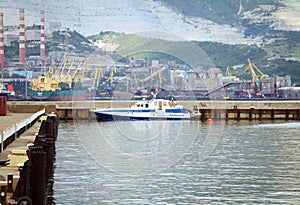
point(42, 41)
point(22, 37)
point(1, 44)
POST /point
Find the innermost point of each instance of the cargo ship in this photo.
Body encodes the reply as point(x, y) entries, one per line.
point(60, 87)
point(47, 88)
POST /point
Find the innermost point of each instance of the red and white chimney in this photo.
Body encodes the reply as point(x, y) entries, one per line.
point(22, 37)
point(1, 44)
point(42, 40)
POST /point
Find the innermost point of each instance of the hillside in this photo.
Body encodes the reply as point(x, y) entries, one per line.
point(223, 12)
point(229, 22)
point(207, 32)
point(278, 58)
point(261, 19)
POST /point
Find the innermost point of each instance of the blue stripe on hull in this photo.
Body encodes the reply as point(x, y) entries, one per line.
point(106, 117)
point(148, 110)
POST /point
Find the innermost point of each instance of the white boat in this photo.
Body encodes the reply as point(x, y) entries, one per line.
point(154, 109)
point(5, 92)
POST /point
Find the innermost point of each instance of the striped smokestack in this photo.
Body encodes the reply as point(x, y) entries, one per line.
point(1, 44)
point(42, 41)
point(22, 37)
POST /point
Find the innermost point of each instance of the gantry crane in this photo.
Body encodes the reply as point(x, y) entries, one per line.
point(51, 70)
point(228, 73)
point(111, 76)
point(160, 76)
point(75, 72)
point(134, 77)
point(255, 78)
point(83, 72)
point(96, 77)
point(251, 68)
point(61, 73)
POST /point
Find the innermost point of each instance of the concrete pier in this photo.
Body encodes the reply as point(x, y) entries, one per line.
point(222, 110)
point(30, 182)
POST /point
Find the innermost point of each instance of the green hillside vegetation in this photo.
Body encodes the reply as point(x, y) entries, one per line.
point(220, 11)
point(138, 47)
point(271, 59)
point(70, 41)
point(12, 51)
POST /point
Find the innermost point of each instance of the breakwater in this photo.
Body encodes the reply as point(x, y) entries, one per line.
point(220, 110)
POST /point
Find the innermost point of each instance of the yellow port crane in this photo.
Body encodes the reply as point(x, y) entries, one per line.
point(61, 73)
point(76, 71)
point(250, 68)
point(51, 70)
point(67, 75)
point(255, 78)
point(228, 73)
point(111, 76)
point(160, 77)
point(83, 72)
point(96, 77)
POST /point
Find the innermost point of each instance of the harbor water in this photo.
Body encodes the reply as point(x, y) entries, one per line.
point(177, 162)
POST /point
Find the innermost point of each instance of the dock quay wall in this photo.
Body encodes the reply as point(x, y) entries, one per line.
point(35, 181)
point(227, 110)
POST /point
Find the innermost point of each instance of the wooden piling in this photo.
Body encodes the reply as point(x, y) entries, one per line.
point(215, 114)
point(260, 114)
point(38, 193)
point(66, 114)
point(226, 115)
point(287, 114)
point(202, 115)
point(272, 114)
point(238, 117)
point(36, 176)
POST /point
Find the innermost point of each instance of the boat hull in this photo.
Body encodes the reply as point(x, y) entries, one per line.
point(64, 95)
point(139, 115)
point(39, 95)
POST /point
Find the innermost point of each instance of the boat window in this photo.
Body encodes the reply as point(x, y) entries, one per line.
point(146, 105)
point(160, 105)
point(142, 105)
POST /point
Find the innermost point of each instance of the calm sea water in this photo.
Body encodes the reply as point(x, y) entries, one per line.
point(175, 162)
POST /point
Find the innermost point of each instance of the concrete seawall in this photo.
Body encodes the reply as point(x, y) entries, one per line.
point(227, 110)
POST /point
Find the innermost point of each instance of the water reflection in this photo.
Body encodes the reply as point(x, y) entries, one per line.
point(252, 163)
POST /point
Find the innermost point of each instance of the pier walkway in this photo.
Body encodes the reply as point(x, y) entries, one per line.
point(16, 131)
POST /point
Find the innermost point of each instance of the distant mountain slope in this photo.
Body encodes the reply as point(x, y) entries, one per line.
point(230, 21)
point(220, 11)
point(267, 19)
